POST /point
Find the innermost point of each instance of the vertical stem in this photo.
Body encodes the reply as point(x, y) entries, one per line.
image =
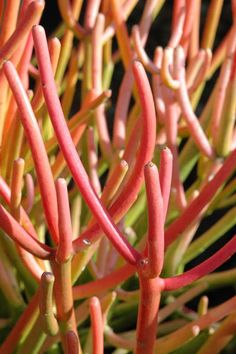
point(147, 315)
point(64, 299)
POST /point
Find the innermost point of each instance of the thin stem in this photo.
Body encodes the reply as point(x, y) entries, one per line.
point(211, 24)
point(184, 102)
point(182, 335)
point(64, 248)
point(93, 161)
point(155, 240)
point(19, 235)
point(97, 61)
point(68, 16)
point(70, 152)
point(45, 178)
point(204, 268)
point(30, 18)
point(206, 194)
point(25, 320)
point(97, 325)
point(165, 175)
point(49, 322)
point(101, 285)
point(132, 184)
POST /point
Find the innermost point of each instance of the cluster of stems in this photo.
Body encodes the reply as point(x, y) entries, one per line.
point(84, 209)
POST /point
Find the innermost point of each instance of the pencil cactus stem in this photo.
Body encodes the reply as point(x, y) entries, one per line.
point(48, 318)
point(16, 186)
point(204, 268)
point(165, 175)
point(211, 24)
point(177, 23)
point(207, 192)
point(142, 55)
point(9, 20)
point(155, 239)
point(34, 137)
point(166, 76)
point(30, 192)
point(97, 325)
point(114, 181)
point(72, 343)
point(91, 13)
point(93, 161)
point(68, 16)
point(147, 315)
point(134, 180)
point(19, 235)
point(70, 153)
point(30, 18)
point(64, 248)
point(194, 126)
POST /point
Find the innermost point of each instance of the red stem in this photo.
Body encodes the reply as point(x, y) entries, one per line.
point(101, 285)
point(19, 235)
point(10, 343)
point(66, 144)
point(207, 193)
point(97, 325)
point(147, 315)
point(134, 179)
point(64, 248)
point(45, 178)
point(202, 269)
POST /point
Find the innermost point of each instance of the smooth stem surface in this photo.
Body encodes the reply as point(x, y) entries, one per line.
point(97, 325)
point(70, 153)
point(155, 239)
point(45, 178)
point(147, 315)
point(64, 299)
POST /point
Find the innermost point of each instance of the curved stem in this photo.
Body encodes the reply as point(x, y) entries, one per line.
point(45, 178)
point(204, 268)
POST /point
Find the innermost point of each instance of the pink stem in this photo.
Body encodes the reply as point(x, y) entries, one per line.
point(92, 8)
point(179, 14)
point(134, 179)
point(45, 178)
point(155, 240)
point(19, 235)
point(157, 87)
point(25, 221)
point(97, 51)
point(97, 325)
point(202, 269)
point(165, 174)
point(29, 192)
point(93, 161)
point(70, 153)
point(194, 208)
point(64, 248)
point(182, 95)
point(121, 111)
point(188, 24)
